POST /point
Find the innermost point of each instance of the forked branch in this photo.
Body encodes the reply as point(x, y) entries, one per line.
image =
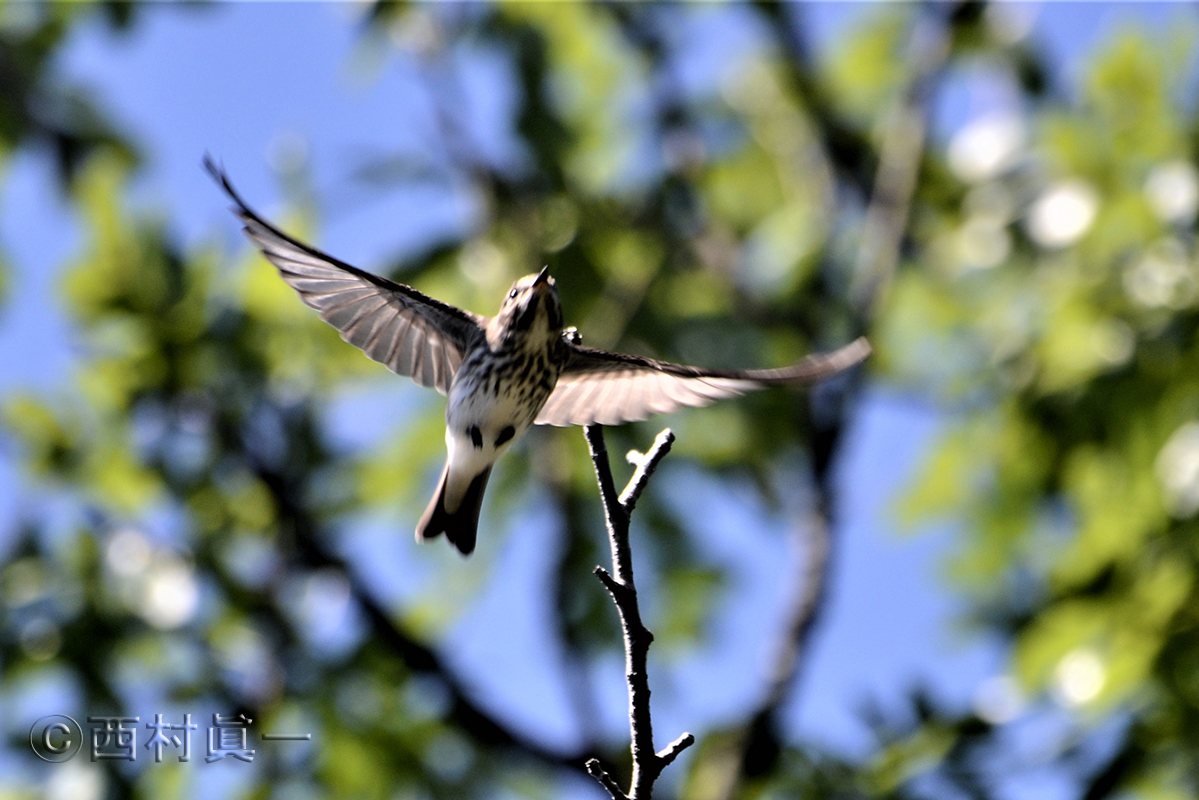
point(647, 764)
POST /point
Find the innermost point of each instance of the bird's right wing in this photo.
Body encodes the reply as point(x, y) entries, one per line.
point(409, 332)
point(611, 388)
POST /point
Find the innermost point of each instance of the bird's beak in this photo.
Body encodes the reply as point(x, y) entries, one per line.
point(542, 276)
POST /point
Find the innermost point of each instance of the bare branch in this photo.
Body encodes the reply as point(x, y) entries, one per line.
point(611, 584)
point(645, 464)
point(596, 770)
point(647, 765)
point(674, 748)
point(603, 474)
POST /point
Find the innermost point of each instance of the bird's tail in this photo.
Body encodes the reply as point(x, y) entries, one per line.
point(459, 526)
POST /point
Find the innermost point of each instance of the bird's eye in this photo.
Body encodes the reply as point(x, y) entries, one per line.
point(512, 294)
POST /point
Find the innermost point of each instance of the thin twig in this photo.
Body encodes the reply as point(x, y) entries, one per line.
point(672, 750)
point(645, 464)
point(596, 770)
point(647, 764)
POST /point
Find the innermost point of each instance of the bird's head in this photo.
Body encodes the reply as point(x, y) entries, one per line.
point(532, 310)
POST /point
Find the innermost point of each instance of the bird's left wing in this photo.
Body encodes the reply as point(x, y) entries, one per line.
point(611, 388)
point(409, 332)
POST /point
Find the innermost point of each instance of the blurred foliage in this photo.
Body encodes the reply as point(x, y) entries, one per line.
point(36, 110)
point(1046, 299)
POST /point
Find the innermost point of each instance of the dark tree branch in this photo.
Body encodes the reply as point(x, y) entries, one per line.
point(756, 744)
point(843, 148)
point(484, 728)
point(806, 610)
point(647, 764)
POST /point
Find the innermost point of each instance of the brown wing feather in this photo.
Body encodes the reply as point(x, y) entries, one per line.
point(611, 388)
point(409, 332)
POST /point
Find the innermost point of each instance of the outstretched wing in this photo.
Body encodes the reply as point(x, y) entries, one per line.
point(611, 388)
point(409, 332)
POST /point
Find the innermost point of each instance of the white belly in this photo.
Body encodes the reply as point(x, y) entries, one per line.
point(480, 427)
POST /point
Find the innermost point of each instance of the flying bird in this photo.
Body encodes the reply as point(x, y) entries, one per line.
point(501, 374)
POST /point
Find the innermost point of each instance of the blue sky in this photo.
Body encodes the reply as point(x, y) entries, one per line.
point(249, 81)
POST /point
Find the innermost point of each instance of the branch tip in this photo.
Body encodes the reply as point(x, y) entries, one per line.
point(672, 750)
point(646, 464)
point(597, 771)
point(614, 587)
